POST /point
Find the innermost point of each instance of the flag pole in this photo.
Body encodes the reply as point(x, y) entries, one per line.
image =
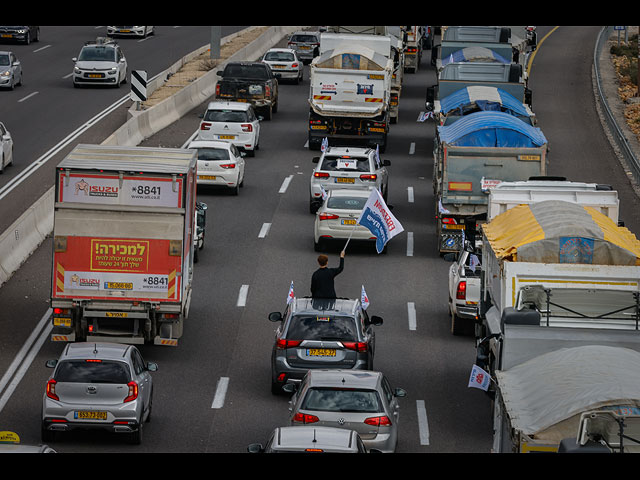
point(344, 249)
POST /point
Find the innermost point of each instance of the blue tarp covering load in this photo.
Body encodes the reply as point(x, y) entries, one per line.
point(474, 54)
point(485, 98)
point(491, 129)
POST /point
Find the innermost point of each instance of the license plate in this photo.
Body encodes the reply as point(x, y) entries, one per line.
point(348, 222)
point(279, 66)
point(116, 314)
point(90, 415)
point(226, 137)
point(62, 322)
point(303, 47)
point(345, 180)
point(94, 75)
point(6, 35)
point(452, 227)
point(321, 352)
point(207, 177)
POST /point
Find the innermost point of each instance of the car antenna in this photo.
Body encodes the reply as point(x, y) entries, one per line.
point(315, 440)
point(95, 348)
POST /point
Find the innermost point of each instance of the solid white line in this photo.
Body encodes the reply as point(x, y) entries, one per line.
point(221, 392)
point(41, 48)
point(264, 230)
point(423, 424)
point(409, 244)
point(242, 295)
point(25, 356)
point(285, 184)
point(411, 311)
point(28, 96)
point(410, 194)
point(412, 148)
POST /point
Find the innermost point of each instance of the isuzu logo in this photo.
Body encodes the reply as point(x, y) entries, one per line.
point(92, 389)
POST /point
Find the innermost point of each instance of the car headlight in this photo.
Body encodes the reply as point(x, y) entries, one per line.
point(5, 73)
point(76, 70)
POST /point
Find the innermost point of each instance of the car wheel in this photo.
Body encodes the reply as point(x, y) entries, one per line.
point(2, 164)
point(268, 112)
point(235, 190)
point(48, 436)
point(150, 408)
point(318, 246)
point(457, 326)
point(136, 437)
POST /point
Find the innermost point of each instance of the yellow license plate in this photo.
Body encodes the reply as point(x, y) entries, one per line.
point(62, 322)
point(119, 285)
point(348, 222)
point(345, 180)
point(448, 226)
point(6, 35)
point(86, 415)
point(278, 66)
point(116, 314)
point(94, 75)
point(321, 352)
point(207, 177)
point(302, 47)
point(318, 127)
point(226, 137)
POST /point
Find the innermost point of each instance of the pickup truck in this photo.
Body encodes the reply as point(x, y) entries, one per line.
point(252, 82)
point(464, 289)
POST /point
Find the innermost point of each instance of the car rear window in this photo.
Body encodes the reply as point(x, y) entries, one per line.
point(322, 327)
point(226, 116)
point(213, 154)
point(256, 71)
point(342, 400)
point(345, 164)
point(346, 203)
point(83, 371)
point(279, 56)
point(304, 38)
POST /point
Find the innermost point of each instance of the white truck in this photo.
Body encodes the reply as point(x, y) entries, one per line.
point(350, 90)
point(465, 272)
point(413, 49)
point(123, 244)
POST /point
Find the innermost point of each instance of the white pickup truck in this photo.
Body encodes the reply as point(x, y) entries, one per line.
point(464, 289)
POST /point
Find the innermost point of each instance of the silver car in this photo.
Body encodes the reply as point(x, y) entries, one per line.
point(311, 439)
point(137, 31)
point(347, 167)
point(362, 401)
point(285, 63)
point(98, 386)
point(10, 70)
point(305, 44)
point(100, 62)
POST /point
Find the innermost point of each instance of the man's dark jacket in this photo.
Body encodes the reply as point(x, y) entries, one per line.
point(322, 281)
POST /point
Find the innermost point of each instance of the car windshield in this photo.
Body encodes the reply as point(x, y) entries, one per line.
point(342, 400)
point(346, 203)
point(345, 164)
point(304, 38)
point(279, 56)
point(226, 116)
point(322, 327)
point(97, 54)
point(89, 371)
point(4, 60)
point(213, 154)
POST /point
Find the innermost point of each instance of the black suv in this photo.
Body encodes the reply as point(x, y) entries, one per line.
point(321, 333)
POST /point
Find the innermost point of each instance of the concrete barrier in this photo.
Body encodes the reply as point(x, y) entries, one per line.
point(26, 234)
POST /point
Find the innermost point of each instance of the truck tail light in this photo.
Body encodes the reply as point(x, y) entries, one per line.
point(382, 421)
point(449, 221)
point(133, 392)
point(51, 389)
point(369, 176)
point(246, 127)
point(461, 291)
point(305, 418)
point(205, 126)
point(327, 216)
point(356, 346)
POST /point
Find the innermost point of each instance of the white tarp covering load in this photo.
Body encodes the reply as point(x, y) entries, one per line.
point(555, 386)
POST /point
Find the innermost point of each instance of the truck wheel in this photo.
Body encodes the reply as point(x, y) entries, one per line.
point(268, 113)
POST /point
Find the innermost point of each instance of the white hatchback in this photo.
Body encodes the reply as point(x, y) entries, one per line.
point(6, 147)
point(284, 63)
point(234, 122)
point(336, 219)
point(219, 163)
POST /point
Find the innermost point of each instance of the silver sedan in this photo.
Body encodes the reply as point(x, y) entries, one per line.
point(10, 70)
point(284, 63)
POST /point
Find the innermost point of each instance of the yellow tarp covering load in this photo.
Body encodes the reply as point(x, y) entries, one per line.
point(561, 232)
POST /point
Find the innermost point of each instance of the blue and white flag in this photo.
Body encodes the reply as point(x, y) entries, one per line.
point(324, 193)
point(324, 145)
point(474, 261)
point(377, 217)
point(378, 156)
point(290, 297)
point(364, 299)
point(479, 378)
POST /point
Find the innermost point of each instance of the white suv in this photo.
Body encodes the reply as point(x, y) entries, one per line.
point(100, 63)
point(234, 122)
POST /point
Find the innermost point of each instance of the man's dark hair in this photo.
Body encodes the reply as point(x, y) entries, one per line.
point(322, 260)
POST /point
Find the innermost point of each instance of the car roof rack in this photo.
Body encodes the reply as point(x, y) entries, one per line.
point(101, 41)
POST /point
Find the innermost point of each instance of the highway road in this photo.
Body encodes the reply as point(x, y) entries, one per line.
point(213, 390)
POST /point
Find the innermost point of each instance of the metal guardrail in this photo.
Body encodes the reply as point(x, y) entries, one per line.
point(618, 135)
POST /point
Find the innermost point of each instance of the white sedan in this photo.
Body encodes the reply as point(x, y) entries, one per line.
point(235, 122)
point(6, 147)
point(336, 219)
point(284, 63)
point(219, 164)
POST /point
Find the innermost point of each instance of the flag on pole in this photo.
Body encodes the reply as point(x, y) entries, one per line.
point(378, 155)
point(324, 145)
point(364, 299)
point(324, 193)
point(290, 296)
point(377, 217)
point(479, 378)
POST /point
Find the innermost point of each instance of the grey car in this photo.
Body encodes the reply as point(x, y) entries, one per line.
point(305, 44)
point(104, 386)
point(321, 333)
point(361, 401)
point(311, 439)
point(10, 70)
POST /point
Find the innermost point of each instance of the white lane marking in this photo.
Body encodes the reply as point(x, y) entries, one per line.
point(221, 392)
point(41, 48)
point(264, 230)
point(410, 194)
point(25, 357)
point(412, 148)
point(411, 312)
point(242, 295)
point(285, 184)
point(28, 96)
point(423, 424)
point(67, 76)
point(409, 244)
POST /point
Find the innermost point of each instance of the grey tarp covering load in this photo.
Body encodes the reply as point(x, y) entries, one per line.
point(558, 386)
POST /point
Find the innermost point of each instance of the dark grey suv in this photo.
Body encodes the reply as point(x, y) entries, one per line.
point(321, 333)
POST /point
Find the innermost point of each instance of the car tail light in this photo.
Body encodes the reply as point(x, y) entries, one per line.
point(382, 421)
point(368, 176)
point(320, 174)
point(228, 165)
point(267, 91)
point(51, 389)
point(283, 343)
point(305, 418)
point(356, 346)
point(205, 126)
point(412, 50)
point(327, 216)
point(247, 127)
point(133, 392)
point(217, 90)
point(449, 221)
point(461, 291)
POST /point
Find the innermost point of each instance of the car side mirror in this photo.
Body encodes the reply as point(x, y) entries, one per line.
point(74, 59)
point(290, 387)
point(315, 159)
point(152, 366)
point(375, 320)
point(51, 363)
point(255, 448)
point(399, 392)
point(219, 73)
point(275, 317)
point(386, 163)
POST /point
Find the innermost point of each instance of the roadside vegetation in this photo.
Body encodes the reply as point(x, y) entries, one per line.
point(625, 62)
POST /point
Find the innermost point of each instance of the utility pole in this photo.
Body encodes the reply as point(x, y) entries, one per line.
point(214, 49)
